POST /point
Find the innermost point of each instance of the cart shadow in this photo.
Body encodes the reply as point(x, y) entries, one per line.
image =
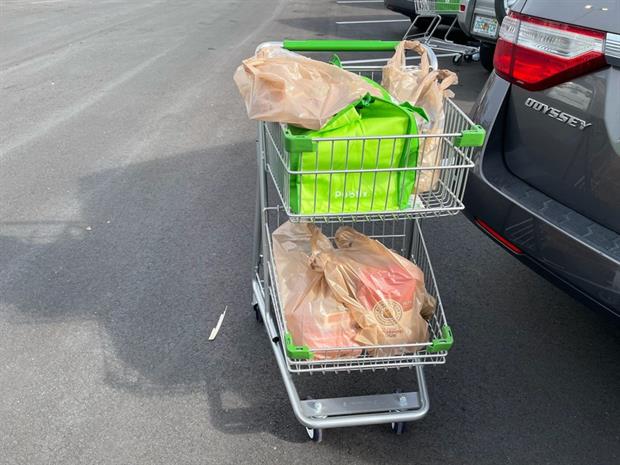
point(162, 249)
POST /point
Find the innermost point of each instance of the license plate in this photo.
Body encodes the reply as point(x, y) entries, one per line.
point(485, 26)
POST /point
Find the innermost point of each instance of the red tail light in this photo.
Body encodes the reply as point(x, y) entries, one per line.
point(498, 237)
point(536, 53)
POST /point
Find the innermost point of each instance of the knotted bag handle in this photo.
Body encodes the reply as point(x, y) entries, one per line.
point(400, 60)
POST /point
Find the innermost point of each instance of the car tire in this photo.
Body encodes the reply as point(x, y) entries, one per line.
point(486, 56)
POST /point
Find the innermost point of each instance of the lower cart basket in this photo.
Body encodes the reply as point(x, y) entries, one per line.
point(402, 236)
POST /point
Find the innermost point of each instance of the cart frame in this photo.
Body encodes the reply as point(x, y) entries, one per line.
point(435, 10)
point(396, 407)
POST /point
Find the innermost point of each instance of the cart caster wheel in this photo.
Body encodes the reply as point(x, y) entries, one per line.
point(316, 435)
point(457, 60)
point(259, 317)
point(399, 427)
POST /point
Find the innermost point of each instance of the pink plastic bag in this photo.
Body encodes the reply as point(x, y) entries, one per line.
point(358, 294)
point(384, 292)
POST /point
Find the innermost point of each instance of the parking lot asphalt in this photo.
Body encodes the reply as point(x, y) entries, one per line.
point(127, 188)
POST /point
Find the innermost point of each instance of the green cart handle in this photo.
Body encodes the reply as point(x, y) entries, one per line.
point(340, 45)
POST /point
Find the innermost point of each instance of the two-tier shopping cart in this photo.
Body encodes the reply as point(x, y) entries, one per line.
point(397, 229)
point(433, 12)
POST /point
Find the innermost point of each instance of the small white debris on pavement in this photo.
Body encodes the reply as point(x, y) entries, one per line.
point(215, 330)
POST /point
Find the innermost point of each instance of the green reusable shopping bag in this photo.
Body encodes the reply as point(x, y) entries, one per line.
point(344, 191)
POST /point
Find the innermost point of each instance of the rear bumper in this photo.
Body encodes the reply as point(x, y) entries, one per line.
point(466, 19)
point(581, 256)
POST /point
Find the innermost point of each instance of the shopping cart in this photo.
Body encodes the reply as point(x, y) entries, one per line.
point(435, 10)
point(397, 229)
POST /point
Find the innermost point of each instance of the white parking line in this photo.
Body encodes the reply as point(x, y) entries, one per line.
point(46, 1)
point(344, 2)
point(375, 21)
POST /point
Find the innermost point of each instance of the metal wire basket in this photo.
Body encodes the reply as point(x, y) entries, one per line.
point(437, 11)
point(444, 160)
point(395, 235)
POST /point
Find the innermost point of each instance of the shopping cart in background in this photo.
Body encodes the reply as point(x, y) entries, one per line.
point(398, 229)
point(435, 11)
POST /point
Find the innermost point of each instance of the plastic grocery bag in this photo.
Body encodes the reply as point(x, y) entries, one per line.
point(345, 191)
point(384, 291)
point(314, 317)
point(278, 85)
point(425, 88)
point(400, 81)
